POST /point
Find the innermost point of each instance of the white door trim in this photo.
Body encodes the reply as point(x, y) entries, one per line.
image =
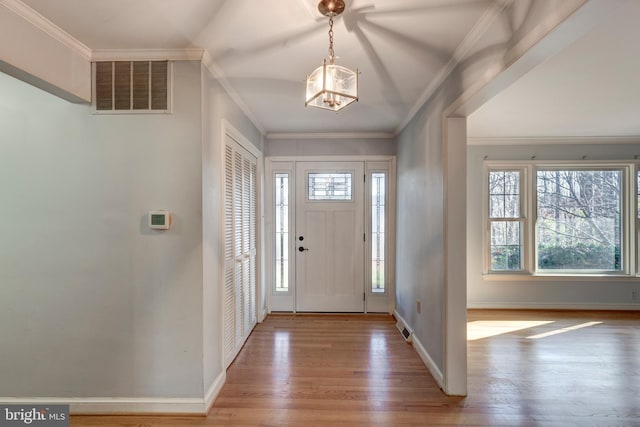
point(287, 164)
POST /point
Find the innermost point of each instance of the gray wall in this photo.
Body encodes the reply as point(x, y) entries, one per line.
point(420, 257)
point(92, 302)
point(216, 106)
point(329, 147)
point(547, 293)
point(419, 232)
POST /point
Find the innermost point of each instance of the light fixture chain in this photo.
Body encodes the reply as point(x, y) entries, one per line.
point(331, 53)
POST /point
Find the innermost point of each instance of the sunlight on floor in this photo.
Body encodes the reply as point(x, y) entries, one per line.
point(563, 330)
point(489, 328)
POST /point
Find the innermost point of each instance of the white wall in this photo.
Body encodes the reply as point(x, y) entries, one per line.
point(548, 293)
point(92, 302)
point(216, 106)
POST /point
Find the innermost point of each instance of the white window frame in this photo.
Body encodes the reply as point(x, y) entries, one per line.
point(635, 212)
point(524, 219)
point(630, 223)
point(290, 231)
point(369, 231)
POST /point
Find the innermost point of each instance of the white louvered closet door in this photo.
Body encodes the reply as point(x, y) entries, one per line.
point(239, 247)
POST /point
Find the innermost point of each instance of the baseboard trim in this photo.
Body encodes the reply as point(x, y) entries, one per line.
point(116, 405)
point(130, 405)
point(551, 306)
point(214, 391)
point(435, 372)
point(263, 315)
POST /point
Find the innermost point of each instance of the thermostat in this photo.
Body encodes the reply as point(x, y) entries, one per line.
point(159, 220)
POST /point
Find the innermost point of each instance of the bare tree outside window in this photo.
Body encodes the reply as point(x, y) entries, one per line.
point(505, 219)
point(579, 214)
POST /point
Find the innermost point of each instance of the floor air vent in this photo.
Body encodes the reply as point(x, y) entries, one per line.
point(406, 333)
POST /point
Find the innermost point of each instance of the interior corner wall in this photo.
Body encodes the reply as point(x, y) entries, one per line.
point(420, 262)
point(217, 106)
point(550, 293)
point(93, 303)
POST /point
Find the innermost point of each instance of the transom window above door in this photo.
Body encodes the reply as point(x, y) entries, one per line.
point(329, 186)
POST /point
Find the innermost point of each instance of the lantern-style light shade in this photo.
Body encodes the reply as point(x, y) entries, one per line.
point(331, 87)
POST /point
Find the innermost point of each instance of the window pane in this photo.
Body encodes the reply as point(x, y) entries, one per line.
point(504, 194)
point(378, 196)
point(579, 219)
point(282, 231)
point(329, 186)
point(506, 246)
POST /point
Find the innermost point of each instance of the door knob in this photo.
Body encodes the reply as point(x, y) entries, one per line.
point(301, 249)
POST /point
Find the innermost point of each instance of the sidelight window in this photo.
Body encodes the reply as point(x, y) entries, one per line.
point(378, 218)
point(282, 231)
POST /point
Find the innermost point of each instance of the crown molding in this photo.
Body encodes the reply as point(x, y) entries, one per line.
point(461, 52)
point(555, 140)
point(48, 27)
point(330, 135)
point(186, 54)
point(216, 72)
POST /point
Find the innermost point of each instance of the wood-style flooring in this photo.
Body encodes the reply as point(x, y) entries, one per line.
point(526, 368)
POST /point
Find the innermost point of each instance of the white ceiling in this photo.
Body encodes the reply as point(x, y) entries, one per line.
point(590, 89)
point(265, 49)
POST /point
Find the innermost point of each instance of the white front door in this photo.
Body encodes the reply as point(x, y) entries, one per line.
point(329, 236)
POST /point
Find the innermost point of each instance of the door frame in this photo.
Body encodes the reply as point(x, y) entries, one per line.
point(287, 164)
point(238, 138)
point(319, 286)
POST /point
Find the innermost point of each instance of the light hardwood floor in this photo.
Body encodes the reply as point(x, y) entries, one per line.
point(526, 368)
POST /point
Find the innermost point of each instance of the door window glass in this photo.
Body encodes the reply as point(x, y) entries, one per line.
point(329, 186)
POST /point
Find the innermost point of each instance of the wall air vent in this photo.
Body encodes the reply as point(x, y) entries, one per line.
point(406, 333)
point(132, 86)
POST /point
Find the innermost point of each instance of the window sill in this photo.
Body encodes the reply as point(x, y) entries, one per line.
point(492, 277)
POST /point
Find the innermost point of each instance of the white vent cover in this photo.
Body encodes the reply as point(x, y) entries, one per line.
point(405, 331)
point(122, 86)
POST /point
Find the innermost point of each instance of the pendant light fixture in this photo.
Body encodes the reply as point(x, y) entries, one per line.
point(331, 86)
